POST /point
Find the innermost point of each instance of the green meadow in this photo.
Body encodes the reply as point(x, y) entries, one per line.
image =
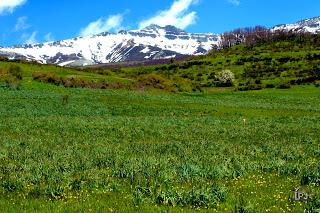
point(65, 149)
point(165, 138)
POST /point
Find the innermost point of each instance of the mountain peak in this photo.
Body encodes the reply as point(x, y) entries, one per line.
point(310, 21)
point(152, 27)
point(310, 25)
point(168, 28)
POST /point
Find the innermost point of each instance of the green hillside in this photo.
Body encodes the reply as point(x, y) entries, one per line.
point(165, 138)
point(281, 62)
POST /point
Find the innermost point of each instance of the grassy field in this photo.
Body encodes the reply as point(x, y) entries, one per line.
point(164, 138)
point(65, 149)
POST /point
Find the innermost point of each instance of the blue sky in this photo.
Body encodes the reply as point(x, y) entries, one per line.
point(31, 21)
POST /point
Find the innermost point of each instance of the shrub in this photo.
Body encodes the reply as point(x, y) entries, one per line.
point(38, 75)
point(225, 78)
point(11, 76)
point(12, 83)
point(2, 58)
point(269, 85)
point(284, 85)
point(46, 77)
point(155, 81)
point(74, 82)
point(15, 71)
point(251, 84)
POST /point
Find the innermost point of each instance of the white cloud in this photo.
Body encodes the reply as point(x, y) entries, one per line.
point(176, 15)
point(48, 37)
point(29, 38)
point(234, 2)
point(22, 24)
point(7, 6)
point(112, 23)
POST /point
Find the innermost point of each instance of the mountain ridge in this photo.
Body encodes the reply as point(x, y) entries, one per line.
point(311, 25)
point(150, 43)
point(153, 42)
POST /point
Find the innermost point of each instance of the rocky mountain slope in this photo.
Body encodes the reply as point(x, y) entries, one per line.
point(311, 25)
point(153, 42)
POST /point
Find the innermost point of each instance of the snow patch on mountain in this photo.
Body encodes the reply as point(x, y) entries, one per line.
point(311, 25)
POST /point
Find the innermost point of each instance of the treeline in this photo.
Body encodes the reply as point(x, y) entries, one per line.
point(140, 82)
point(74, 82)
point(252, 36)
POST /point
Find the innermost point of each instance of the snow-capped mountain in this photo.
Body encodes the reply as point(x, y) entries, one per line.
point(311, 25)
point(150, 43)
point(153, 42)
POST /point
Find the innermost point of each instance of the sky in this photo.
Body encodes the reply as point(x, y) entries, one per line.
point(36, 21)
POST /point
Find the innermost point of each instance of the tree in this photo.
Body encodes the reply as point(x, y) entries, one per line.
point(225, 78)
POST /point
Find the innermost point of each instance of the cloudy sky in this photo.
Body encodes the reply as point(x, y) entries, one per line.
point(32, 21)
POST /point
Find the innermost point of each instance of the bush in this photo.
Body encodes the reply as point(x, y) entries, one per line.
point(11, 76)
point(251, 84)
point(270, 85)
point(4, 58)
point(225, 78)
point(15, 71)
point(284, 85)
point(74, 82)
point(155, 81)
point(12, 84)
